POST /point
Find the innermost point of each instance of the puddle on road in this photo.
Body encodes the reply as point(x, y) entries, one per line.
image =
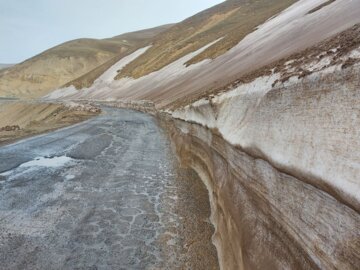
point(39, 162)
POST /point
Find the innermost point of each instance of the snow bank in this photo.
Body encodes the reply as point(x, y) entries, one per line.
point(295, 126)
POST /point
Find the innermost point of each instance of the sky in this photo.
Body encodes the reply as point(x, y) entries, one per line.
point(28, 27)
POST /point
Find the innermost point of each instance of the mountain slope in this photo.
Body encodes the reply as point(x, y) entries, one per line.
point(66, 62)
point(2, 66)
point(231, 20)
point(291, 31)
point(139, 38)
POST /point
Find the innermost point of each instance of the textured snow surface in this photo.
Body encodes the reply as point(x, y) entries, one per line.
point(107, 88)
point(109, 76)
point(114, 88)
point(295, 128)
point(60, 93)
point(54, 162)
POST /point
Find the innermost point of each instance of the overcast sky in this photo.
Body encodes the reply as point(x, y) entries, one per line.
point(28, 27)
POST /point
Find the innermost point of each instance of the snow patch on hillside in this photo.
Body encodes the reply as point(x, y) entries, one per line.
point(102, 82)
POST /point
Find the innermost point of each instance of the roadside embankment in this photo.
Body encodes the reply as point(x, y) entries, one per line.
point(281, 163)
point(141, 105)
point(280, 159)
point(279, 151)
point(20, 119)
point(265, 218)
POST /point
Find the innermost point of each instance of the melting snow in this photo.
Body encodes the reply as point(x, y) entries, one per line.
point(69, 177)
point(54, 162)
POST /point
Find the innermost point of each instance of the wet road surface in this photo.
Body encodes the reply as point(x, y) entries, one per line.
point(103, 194)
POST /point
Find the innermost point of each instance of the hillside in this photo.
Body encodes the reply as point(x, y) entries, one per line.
point(138, 39)
point(2, 66)
point(179, 83)
point(231, 21)
point(66, 62)
point(270, 126)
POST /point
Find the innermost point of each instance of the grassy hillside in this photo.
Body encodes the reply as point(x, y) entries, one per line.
point(231, 21)
point(59, 65)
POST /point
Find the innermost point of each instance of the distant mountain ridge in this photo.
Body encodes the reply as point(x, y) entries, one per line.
point(61, 64)
point(2, 66)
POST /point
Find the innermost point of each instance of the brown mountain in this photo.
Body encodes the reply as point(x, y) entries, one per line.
point(57, 66)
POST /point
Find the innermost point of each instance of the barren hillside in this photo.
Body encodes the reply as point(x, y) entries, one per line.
point(231, 21)
point(59, 65)
point(2, 66)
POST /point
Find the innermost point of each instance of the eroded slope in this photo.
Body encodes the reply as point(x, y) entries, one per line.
point(279, 152)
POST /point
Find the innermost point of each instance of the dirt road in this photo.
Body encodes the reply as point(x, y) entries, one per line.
point(103, 194)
